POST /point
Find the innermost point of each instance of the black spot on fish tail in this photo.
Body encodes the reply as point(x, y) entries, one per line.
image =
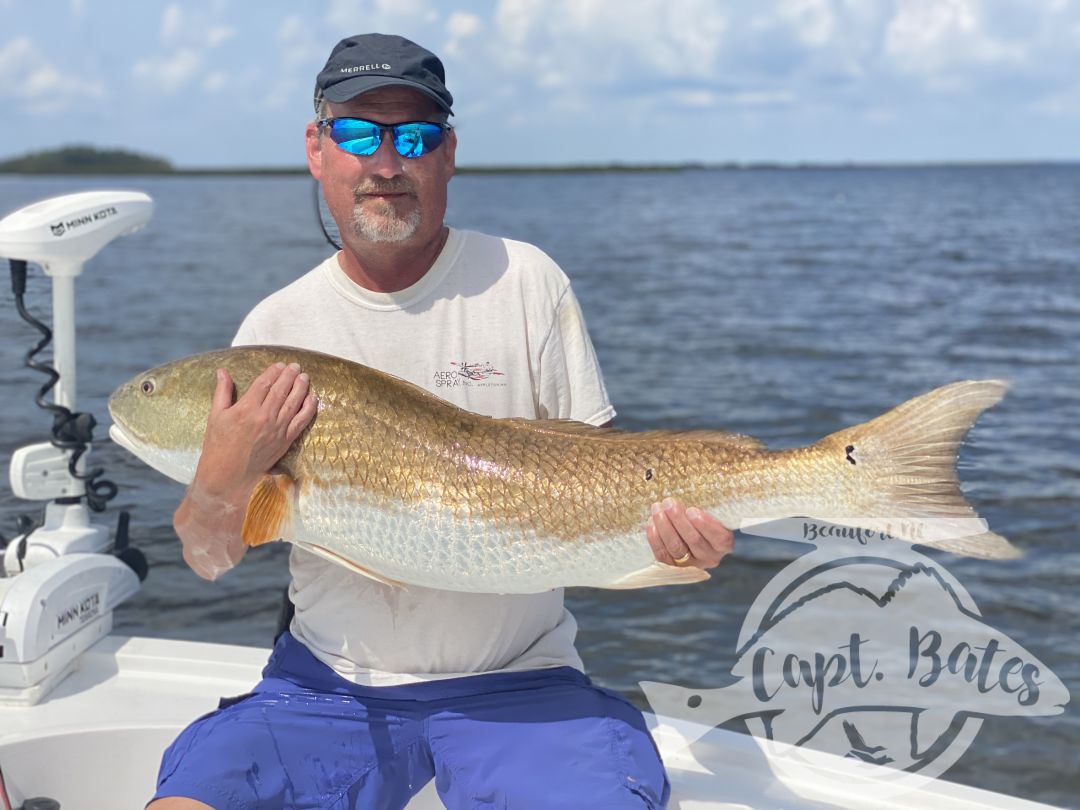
point(694, 701)
point(849, 450)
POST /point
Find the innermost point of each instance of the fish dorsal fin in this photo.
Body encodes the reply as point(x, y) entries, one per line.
point(269, 510)
point(567, 427)
point(723, 437)
point(660, 574)
point(334, 557)
point(571, 427)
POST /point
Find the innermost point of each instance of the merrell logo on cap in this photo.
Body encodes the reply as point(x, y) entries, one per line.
point(359, 68)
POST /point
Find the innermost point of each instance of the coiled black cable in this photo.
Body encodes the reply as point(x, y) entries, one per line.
point(71, 432)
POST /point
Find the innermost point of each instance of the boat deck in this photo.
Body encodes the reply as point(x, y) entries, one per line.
point(96, 741)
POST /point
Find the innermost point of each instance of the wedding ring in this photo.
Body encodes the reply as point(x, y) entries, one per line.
point(683, 560)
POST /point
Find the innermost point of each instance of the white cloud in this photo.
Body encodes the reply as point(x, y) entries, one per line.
point(824, 58)
point(1060, 104)
point(168, 73)
point(762, 98)
point(696, 98)
point(299, 45)
point(42, 81)
point(880, 116)
point(408, 9)
point(462, 25)
point(172, 22)
point(705, 99)
point(215, 82)
point(43, 87)
point(942, 37)
point(802, 42)
point(195, 29)
point(813, 20)
point(218, 34)
point(595, 42)
point(301, 53)
point(348, 17)
point(189, 35)
point(15, 55)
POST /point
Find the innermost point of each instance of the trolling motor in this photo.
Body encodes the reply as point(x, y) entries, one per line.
point(64, 573)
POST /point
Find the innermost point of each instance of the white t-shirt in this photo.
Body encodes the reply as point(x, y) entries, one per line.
point(494, 328)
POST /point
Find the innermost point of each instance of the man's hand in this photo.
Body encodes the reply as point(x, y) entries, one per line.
point(243, 441)
point(681, 536)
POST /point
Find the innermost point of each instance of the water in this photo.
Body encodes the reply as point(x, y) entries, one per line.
point(783, 304)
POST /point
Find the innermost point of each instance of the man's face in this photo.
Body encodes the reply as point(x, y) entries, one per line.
point(384, 197)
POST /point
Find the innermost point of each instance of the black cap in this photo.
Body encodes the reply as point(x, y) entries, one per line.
point(367, 61)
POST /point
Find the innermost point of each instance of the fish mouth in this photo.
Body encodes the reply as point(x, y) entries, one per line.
point(179, 465)
point(117, 434)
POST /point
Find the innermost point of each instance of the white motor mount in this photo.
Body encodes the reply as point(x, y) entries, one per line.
point(61, 233)
point(51, 614)
point(67, 530)
point(39, 472)
point(62, 581)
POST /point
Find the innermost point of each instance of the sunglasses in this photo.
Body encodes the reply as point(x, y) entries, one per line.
point(358, 136)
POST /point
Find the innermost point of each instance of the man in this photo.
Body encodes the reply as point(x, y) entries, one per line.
point(376, 690)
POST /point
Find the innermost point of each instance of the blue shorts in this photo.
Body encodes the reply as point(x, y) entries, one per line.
point(305, 737)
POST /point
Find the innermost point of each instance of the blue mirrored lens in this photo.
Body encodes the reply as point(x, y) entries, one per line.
point(414, 140)
point(360, 137)
point(355, 136)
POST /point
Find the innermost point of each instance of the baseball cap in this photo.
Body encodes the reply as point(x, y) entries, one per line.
point(364, 62)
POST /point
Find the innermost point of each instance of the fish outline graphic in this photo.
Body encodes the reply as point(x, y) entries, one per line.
point(870, 651)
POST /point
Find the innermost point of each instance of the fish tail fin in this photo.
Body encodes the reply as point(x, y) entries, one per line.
point(905, 462)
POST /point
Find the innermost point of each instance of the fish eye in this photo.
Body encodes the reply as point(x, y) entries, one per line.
point(147, 386)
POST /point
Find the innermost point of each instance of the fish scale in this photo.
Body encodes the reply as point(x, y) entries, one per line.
point(401, 486)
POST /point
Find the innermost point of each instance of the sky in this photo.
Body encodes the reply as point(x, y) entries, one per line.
point(216, 83)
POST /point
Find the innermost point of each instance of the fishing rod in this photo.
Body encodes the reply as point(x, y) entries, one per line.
point(322, 214)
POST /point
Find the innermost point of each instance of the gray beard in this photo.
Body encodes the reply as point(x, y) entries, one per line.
point(387, 227)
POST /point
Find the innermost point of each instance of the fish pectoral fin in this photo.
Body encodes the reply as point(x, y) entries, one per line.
point(334, 557)
point(660, 574)
point(269, 510)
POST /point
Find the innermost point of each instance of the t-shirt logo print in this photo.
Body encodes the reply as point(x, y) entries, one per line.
point(462, 373)
point(476, 371)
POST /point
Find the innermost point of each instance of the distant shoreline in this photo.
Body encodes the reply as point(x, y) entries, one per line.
point(612, 168)
point(84, 159)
